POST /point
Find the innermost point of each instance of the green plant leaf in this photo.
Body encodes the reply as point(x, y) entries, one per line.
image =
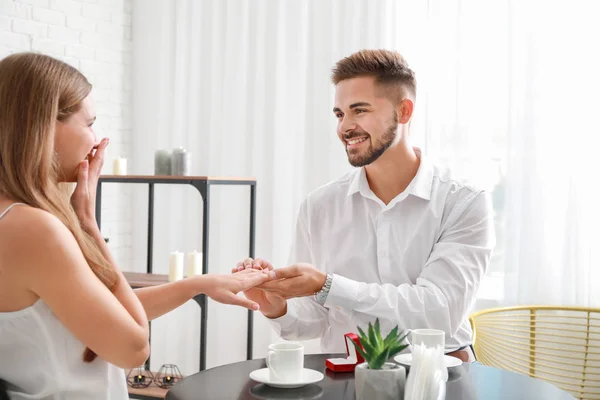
point(376, 350)
point(372, 338)
point(381, 358)
point(391, 337)
point(370, 350)
point(363, 338)
point(378, 332)
point(360, 351)
point(403, 337)
point(396, 349)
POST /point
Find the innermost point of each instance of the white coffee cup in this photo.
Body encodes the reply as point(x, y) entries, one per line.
point(285, 362)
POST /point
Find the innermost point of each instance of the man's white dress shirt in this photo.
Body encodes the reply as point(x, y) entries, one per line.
point(416, 262)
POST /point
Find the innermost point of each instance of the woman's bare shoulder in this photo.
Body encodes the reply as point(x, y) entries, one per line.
point(27, 221)
point(29, 230)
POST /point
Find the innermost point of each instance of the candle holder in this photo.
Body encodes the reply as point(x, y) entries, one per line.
point(139, 377)
point(167, 376)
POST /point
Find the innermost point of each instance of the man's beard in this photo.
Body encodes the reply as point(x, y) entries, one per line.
point(374, 151)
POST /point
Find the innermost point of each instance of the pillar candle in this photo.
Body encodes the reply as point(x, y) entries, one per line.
point(175, 266)
point(180, 162)
point(162, 162)
point(194, 263)
point(120, 166)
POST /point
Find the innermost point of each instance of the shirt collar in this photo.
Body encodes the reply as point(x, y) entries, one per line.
point(359, 180)
point(422, 183)
point(420, 186)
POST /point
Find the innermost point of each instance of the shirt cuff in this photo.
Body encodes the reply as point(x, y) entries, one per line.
point(286, 320)
point(343, 293)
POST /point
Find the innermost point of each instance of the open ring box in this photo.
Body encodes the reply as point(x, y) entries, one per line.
point(349, 363)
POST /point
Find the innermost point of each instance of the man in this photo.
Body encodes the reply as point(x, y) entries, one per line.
point(397, 239)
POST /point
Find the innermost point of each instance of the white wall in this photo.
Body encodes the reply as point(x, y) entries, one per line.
point(95, 37)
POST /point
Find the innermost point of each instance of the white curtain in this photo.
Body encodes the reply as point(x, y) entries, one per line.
point(507, 94)
point(551, 209)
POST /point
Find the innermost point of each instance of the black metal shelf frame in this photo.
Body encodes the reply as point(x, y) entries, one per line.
point(203, 185)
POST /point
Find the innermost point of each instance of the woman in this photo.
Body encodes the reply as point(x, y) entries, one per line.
point(69, 322)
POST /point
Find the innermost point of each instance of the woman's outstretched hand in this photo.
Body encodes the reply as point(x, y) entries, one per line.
point(271, 304)
point(224, 288)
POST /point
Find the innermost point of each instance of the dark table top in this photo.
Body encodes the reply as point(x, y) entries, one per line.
point(467, 382)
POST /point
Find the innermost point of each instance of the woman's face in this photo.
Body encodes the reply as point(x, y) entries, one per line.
point(75, 139)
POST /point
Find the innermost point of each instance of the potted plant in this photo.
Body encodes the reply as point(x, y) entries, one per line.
point(377, 378)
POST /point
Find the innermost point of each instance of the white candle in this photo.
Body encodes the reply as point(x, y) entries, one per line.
point(194, 263)
point(175, 266)
point(120, 166)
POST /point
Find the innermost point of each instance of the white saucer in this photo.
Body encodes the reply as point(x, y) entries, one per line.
point(309, 376)
point(406, 359)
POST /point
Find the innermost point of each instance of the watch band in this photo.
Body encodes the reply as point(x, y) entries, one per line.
point(321, 295)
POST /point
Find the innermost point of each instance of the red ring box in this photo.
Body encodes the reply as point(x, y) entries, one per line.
point(349, 363)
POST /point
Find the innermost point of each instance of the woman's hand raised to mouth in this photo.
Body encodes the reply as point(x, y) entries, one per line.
point(83, 199)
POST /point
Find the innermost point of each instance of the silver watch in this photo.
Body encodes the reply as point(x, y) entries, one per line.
point(321, 295)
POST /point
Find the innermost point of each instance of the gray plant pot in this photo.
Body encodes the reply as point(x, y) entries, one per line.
point(386, 383)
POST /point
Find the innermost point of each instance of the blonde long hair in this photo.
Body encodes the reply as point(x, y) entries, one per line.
point(36, 91)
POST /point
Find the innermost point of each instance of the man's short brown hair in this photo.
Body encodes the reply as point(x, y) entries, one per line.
point(389, 69)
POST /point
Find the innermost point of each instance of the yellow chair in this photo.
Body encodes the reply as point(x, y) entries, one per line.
point(560, 345)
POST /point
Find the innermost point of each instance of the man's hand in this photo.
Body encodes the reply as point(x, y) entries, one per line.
point(271, 304)
point(297, 280)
